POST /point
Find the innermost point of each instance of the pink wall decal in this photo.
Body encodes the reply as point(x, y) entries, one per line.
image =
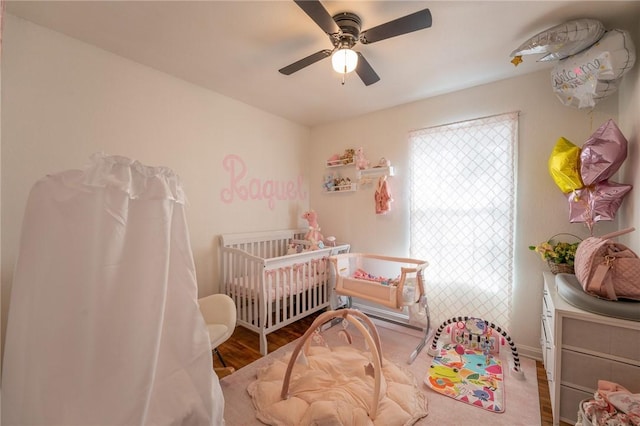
point(243, 187)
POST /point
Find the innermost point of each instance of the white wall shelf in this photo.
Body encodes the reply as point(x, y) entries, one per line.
point(343, 188)
point(338, 163)
point(375, 172)
point(363, 177)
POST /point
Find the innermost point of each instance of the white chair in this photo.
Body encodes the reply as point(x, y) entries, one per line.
point(219, 313)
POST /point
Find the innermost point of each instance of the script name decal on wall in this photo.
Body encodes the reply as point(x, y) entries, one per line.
point(248, 188)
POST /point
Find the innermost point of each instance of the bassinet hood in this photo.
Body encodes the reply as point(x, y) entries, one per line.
point(105, 284)
point(137, 180)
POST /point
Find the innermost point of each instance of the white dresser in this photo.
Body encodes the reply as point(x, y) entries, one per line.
point(579, 348)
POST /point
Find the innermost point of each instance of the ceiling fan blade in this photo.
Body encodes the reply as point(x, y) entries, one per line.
point(407, 24)
point(305, 62)
point(365, 71)
point(319, 14)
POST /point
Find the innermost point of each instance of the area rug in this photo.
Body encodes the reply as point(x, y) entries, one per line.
point(521, 396)
point(469, 376)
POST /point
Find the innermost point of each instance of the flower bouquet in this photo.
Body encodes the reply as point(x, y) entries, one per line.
point(560, 256)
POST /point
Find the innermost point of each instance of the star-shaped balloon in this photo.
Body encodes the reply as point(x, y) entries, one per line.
point(595, 203)
point(602, 154)
point(563, 166)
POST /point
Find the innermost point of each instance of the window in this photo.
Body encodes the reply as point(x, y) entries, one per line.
point(462, 186)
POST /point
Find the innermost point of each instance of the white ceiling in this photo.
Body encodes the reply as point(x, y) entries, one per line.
point(235, 48)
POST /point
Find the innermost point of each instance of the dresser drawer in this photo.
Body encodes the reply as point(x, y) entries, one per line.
point(603, 338)
point(569, 403)
point(584, 371)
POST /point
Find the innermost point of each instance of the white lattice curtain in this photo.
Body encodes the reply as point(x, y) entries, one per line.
point(462, 215)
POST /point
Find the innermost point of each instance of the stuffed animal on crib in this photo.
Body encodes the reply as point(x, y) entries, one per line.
point(361, 162)
point(313, 235)
point(295, 248)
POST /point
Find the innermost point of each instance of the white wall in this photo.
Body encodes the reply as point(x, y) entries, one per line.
point(64, 100)
point(630, 127)
point(542, 210)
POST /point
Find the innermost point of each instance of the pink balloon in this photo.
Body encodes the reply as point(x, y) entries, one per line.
point(595, 203)
point(602, 154)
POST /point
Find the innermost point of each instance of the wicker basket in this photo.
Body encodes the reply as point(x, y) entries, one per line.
point(560, 268)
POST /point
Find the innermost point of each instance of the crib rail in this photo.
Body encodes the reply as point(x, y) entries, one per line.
point(297, 287)
point(265, 245)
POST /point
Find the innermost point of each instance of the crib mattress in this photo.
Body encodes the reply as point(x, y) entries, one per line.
point(279, 290)
point(386, 295)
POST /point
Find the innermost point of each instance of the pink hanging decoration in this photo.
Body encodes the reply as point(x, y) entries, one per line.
point(383, 196)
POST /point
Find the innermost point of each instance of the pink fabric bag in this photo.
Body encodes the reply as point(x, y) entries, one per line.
point(608, 269)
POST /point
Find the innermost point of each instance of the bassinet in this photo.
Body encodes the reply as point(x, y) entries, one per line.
point(390, 281)
point(271, 288)
point(393, 282)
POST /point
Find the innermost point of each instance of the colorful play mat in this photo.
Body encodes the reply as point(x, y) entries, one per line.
point(469, 376)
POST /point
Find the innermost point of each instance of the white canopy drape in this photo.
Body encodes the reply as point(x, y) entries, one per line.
point(104, 326)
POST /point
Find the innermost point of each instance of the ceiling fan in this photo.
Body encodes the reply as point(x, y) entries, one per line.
point(344, 32)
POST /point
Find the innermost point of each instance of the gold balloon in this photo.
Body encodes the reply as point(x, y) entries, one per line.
point(564, 166)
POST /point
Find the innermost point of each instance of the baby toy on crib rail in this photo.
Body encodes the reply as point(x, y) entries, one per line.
point(313, 235)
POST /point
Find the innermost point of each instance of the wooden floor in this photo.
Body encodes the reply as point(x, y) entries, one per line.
point(243, 348)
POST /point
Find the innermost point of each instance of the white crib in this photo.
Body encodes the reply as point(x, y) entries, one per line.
point(271, 288)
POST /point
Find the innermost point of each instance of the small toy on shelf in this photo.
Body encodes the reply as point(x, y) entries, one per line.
point(383, 162)
point(334, 160)
point(343, 184)
point(361, 161)
point(329, 183)
point(348, 156)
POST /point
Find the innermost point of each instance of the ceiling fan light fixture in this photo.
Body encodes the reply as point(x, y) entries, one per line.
point(344, 60)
